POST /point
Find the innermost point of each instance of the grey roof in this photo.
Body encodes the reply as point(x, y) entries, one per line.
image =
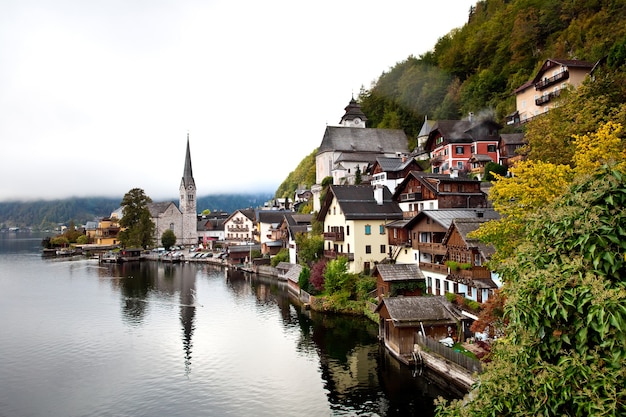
point(399, 272)
point(353, 110)
point(464, 227)
point(480, 158)
point(410, 311)
point(271, 216)
point(424, 177)
point(445, 217)
point(357, 203)
point(358, 139)
point(293, 274)
point(426, 127)
point(157, 209)
point(393, 164)
point(284, 266)
point(512, 138)
point(357, 157)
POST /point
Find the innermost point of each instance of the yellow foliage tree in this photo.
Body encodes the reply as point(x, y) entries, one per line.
point(598, 148)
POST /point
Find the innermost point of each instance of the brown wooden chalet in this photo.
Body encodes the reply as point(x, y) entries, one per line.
point(510, 146)
point(401, 318)
point(425, 191)
point(398, 280)
point(469, 255)
point(391, 171)
point(428, 230)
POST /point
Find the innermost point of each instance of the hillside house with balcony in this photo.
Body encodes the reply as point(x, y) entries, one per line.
point(510, 146)
point(292, 225)
point(428, 231)
point(452, 143)
point(537, 96)
point(466, 259)
point(391, 171)
point(239, 227)
point(355, 218)
point(425, 191)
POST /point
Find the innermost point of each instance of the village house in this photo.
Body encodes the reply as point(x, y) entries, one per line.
point(466, 258)
point(427, 232)
point(425, 191)
point(402, 318)
point(537, 95)
point(510, 147)
point(391, 171)
point(292, 225)
point(239, 227)
point(211, 229)
point(106, 232)
point(394, 280)
point(355, 218)
point(452, 143)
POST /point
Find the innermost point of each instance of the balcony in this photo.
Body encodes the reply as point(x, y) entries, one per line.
point(410, 197)
point(440, 268)
point(547, 82)
point(432, 248)
point(334, 236)
point(238, 229)
point(546, 98)
point(331, 254)
point(476, 272)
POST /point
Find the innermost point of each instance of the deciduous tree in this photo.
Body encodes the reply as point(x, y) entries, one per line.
point(136, 219)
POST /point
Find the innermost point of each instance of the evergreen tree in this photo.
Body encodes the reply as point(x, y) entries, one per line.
point(136, 220)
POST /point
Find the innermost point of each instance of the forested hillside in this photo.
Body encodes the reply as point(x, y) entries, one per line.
point(476, 68)
point(47, 214)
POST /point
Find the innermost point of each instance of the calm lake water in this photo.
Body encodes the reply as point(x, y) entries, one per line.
point(147, 339)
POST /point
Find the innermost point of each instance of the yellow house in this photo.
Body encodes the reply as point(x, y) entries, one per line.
point(107, 232)
point(537, 96)
point(355, 218)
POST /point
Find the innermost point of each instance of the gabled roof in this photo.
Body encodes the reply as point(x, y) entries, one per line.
point(445, 217)
point(358, 139)
point(187, 171)
point(249, 213)
point(480, 158)
point(460, 131)
point(157, 209)
point(293, 274)
point(357, 202)
point(399, 272)
point(464, 227)
point(424, 177)
point(394, 164)
point(427, 126)
point(271, 216)
point(512, 138)
point(570, 63)
point(428, 310)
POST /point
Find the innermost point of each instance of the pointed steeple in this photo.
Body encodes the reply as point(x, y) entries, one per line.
point(188, 172)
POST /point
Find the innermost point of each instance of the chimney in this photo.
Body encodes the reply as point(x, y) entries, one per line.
point(378, 194)
point(470, 117)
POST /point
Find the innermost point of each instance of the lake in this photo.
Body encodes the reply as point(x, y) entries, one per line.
point(149, 339)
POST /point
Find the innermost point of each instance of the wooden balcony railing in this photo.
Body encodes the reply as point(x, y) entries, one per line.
point(432, 248)
point(331, 254)
point(547, 82)
point(440, 268)
point(334, 236)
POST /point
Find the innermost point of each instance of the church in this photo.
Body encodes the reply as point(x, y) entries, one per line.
point(181, 219)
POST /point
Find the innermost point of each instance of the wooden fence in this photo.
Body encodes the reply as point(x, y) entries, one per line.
point(472, 365)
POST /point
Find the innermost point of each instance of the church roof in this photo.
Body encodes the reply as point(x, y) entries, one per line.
point(188, 172)
point(353, 110)
point(366, 140)
point(156, 209)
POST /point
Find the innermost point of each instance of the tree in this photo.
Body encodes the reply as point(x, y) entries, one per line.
point(357, 176)
point(281, 256)
point(168, 239)
point(494, 168)
point(317, 274)
point(563, 353)
point(136, 219)
point(336, 274)
point(310, 248)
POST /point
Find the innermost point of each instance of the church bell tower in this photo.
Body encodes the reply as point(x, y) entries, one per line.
point(187, 203)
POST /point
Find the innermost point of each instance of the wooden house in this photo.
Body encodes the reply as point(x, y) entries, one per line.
point(398, 280)
point(401, 318)
point(425, 191)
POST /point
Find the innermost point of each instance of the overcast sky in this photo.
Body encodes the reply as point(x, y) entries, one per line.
point(97, 97)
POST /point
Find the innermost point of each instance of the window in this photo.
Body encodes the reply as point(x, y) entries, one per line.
point(368, 248)
point(171, 226)
point(368, 229)
point(459, 164)
point(469, 291)
point(381, 229)
point(383, 249)
point(459, 149)
point(446, 286)
point(491, 148)
point(347, 230)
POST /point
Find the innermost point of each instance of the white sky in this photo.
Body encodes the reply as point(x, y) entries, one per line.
point(97, 97)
